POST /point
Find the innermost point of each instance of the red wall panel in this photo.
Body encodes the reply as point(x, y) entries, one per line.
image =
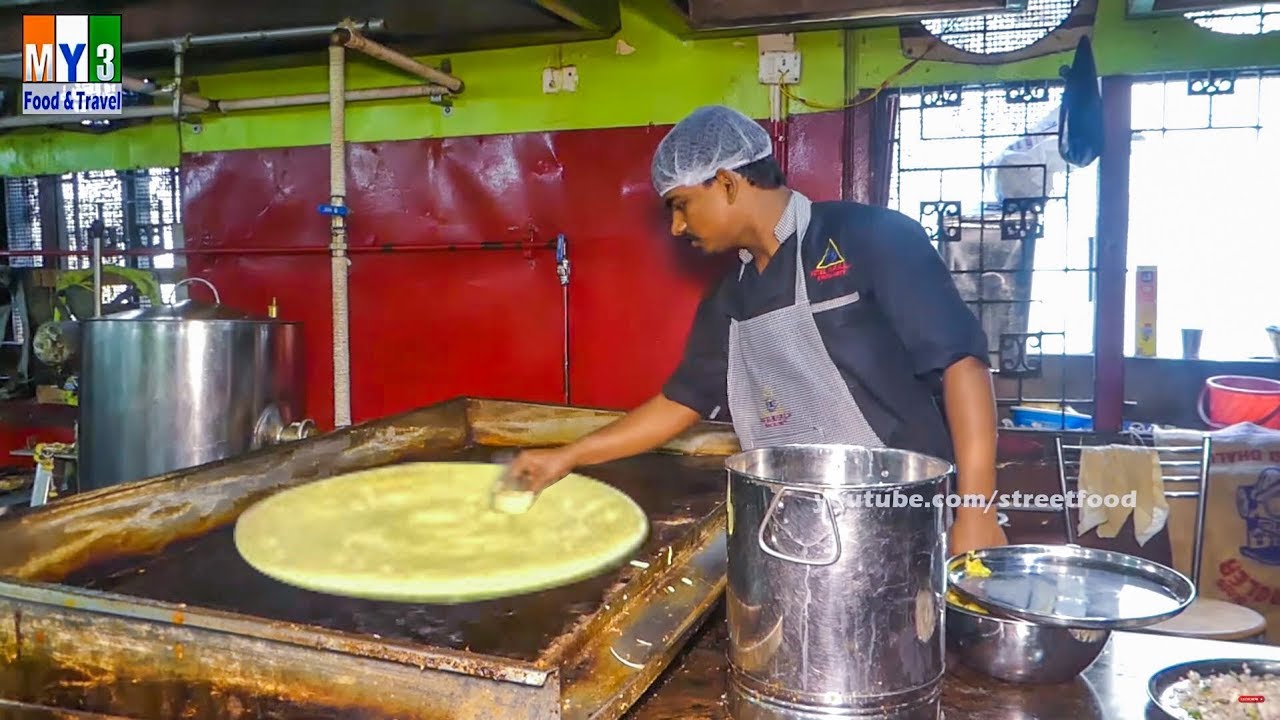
point(428, 325)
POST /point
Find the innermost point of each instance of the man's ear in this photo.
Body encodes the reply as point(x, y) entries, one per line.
point(729, 181)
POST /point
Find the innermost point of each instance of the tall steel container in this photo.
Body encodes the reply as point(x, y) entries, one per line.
point(837, 575)
point(174, 386)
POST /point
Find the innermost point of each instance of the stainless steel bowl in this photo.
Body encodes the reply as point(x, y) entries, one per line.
point(1021, 652)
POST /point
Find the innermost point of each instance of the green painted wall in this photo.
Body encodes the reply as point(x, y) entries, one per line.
point(663, 79)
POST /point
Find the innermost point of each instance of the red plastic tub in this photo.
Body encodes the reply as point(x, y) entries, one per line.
point(1232, 399)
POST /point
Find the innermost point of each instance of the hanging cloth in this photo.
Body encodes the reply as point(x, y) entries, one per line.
point(1080, 122)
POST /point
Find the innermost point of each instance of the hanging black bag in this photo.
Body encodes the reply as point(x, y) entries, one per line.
point(1080, 117)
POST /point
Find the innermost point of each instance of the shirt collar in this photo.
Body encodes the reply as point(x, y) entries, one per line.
point(786, 226)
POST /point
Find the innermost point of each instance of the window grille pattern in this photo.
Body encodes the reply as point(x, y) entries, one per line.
point(1001, 32)
point(979, 167)
point(22, 219)
point(94, 207)
point(134, 213)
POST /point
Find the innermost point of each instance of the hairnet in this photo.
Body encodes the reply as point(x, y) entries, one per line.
point(710, 139)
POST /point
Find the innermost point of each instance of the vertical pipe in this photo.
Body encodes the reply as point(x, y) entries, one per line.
point(178, 48)
point(562, 270)
point(1112, 247)
point(97, 264)
point(338, 230)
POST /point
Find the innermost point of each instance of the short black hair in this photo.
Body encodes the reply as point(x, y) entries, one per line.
point(764, 173)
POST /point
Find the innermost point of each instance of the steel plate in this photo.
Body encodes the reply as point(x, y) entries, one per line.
point(1165, 685)
point(1073, 586)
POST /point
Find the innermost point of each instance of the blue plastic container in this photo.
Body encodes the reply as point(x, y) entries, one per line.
point(1043, 419)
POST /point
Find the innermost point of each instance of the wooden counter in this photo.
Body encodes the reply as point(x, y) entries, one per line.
point(1113, 688)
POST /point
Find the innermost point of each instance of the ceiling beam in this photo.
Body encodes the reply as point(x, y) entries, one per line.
point(597, 16)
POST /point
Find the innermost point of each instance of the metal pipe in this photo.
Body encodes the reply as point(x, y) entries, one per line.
point(386, 93)
point(285, 251)
point(97, 263)
point(190, 100)
point(338, 230)
point(17, 121)
point(354, 40)
point(562, 271)
point(178, 50)
point(251, 36)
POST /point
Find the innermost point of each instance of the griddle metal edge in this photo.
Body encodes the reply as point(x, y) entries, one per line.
point(137, 641)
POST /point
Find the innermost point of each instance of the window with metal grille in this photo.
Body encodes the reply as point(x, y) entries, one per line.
point(1001, 32)
point(94, 204)
point(136, 214)
point(22, 219)
point(1241, 20)
point(1202, 198)
point(979, 167)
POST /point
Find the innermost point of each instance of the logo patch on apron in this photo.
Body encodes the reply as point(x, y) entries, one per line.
point(774, 415)
point(831, 265)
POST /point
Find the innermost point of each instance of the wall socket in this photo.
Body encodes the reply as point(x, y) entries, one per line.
point(561, 79)
point(780, 67)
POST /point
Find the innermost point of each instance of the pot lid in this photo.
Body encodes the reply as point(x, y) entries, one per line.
point(184, 310)
point(1070, 586)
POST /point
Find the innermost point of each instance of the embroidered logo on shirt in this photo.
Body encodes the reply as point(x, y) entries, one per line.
point(831, 265)
point(774, 415)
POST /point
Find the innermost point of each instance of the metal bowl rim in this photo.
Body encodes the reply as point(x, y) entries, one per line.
point(1186, 593)
point(740, 457)
point(185, 321)
point(1024, 623)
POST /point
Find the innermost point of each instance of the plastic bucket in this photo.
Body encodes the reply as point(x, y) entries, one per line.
point(1232, 399)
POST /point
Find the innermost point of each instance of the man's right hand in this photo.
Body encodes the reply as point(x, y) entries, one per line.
point(653, 423)
point(535, 470)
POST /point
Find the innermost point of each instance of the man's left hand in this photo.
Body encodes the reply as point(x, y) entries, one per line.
point(974, 532)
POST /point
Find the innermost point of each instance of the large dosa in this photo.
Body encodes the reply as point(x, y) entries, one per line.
point(425, 532)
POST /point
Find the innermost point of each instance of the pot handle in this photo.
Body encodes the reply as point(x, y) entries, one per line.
point(831, 523)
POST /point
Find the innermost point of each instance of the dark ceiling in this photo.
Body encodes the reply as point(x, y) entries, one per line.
point(421, 27)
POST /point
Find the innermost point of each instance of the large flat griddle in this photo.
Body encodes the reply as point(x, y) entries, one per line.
point(133, 600)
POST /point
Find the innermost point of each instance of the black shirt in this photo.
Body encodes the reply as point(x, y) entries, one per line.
point(906, 323)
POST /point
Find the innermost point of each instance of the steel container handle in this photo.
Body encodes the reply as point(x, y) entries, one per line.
point(831, 518)
point(216, 297)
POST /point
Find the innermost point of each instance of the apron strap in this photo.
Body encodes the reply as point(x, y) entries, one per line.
point(803, 215)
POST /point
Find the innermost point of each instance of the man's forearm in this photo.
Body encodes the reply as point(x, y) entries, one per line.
point(646, 427)
point(971, 414)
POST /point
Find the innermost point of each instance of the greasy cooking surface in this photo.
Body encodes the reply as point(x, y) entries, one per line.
point(208, 572)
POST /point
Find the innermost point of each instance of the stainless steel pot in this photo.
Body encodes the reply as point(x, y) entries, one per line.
point(837, 575)
point(175, 386)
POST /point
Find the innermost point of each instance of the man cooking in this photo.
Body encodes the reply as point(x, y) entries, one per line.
point(840, 325)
